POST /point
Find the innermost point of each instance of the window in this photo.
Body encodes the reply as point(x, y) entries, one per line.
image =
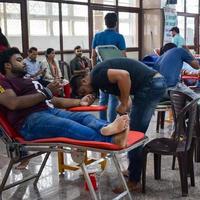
point(80, 11)
point(10, 22)
point(80, 28)
point(56, 31)
point(45, 22)
point(98, 21)
point(106, 2)
point(37, 8)
point(65, 26)
point(76, 0)
point(13, 27)
point(75, 26)
point(38, 27)
point(129, 3)
point(44, 29)
point(181, 25)
point(190, 31)
point(188, 23)
point(192, 6)
point(180, 5)
point(12, 8)
point(128, 27)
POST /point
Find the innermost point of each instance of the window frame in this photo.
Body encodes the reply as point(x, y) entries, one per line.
point(196, 17)
point(91, 6)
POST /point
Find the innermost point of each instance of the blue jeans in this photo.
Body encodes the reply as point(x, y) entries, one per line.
point(60, 123)
point(112, 102)
point(144, 104)
point(181, 87)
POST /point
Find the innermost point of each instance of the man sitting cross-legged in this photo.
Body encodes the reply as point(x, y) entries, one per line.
point(34, 112)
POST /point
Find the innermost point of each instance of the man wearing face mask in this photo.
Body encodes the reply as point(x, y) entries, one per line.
point(79, 64)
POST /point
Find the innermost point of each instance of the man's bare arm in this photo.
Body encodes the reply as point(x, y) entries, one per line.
point(94, 57)
point(59, 102)
point(195, 64)
point(67, 103)
point(13, 102)
point(122, 78)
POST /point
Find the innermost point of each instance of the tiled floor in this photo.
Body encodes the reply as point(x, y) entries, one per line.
point(70, 185)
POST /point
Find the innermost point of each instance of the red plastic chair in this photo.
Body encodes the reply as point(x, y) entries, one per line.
point(62, 166)
point(76, 148)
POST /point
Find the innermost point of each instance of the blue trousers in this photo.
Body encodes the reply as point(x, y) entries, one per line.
point(112, 102)
point(60, 123)
point(144, 104)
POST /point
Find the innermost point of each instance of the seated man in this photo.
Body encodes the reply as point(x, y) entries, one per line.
point(4, 160)
point(33, 111)
point(123, 77)
point(33, 67)
point(79, 64)
point(170, 64)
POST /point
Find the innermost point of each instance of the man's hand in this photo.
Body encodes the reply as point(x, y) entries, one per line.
point(43, 72)
point(122, 109)
point(54, 87)
point(87, 100)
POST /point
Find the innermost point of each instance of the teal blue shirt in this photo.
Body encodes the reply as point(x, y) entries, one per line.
point(178, 40)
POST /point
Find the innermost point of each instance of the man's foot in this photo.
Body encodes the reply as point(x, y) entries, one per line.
point(121, 138)
point(118, 126)
point(22, 165)
point(132, 186)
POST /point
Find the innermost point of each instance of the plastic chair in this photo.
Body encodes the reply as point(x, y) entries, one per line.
point(180, 145)
point(76, 148)
point(105, 52)
point(197, 136)
point(62, 166)
point(162, 108)
point(65, 66)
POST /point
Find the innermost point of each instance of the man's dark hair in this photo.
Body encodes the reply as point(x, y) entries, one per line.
point(77, 47)
point(111, 19)
point(167, 47)
point(32, 49)
point(75, 83)
point(175, 28)
point(5, 57)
